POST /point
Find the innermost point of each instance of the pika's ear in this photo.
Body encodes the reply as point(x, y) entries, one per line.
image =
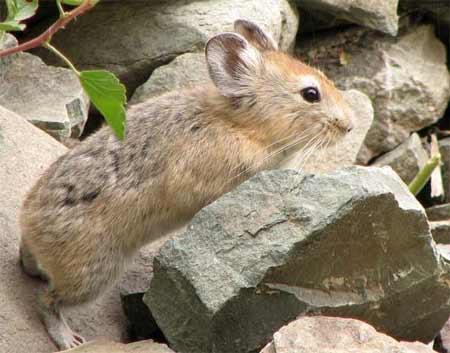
point(232, 63)
point(255, 35)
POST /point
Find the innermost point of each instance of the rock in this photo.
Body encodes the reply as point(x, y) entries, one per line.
point(49, 97)
point(443, 340)
point(314, 21)
point(439, 212)
point(158, 31)
point(25, 153)
point(439, 10)
point(440, 230)
point(184, 71)
point(405, 77)
point(352, 243)
point(407, 159)
point(444, 148)
point(379, 15)
point(336, 335)
point(344, 153)
point(444, 250)
point(113, 347)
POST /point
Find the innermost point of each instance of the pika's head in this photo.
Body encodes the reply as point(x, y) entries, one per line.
point(292, 99)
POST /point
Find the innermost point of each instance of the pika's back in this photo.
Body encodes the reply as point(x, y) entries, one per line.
point(104, 164)
point(176, 158)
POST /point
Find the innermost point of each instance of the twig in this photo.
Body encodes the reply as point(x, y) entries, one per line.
point(424, 174)
point(62, 13)
point(61, 55)
point(48, 34)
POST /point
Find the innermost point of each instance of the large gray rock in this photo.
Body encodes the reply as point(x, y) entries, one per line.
point(375, 14)
point(406, 160)
point(444, 148)
point(132, 38)
point(186, 70)
point(406, 78)
point(25, 153)
point(352, 243)
point(336, 335)
point(344, 153)
point(49, 97)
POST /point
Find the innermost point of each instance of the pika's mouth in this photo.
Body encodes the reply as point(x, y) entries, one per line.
point(341, 128)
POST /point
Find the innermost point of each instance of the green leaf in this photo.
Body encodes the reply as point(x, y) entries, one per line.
point(18, 10)
point(108, 95)
point(8, 26)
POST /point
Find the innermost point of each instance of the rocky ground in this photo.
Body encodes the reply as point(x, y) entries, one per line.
point(333, 258)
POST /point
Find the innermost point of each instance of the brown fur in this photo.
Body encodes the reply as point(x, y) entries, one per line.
point(98, 204)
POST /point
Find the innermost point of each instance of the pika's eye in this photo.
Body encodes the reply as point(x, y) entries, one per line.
point(310, 94)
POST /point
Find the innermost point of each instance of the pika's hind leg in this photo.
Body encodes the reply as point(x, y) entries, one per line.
point(57, 328)
point(29, 264)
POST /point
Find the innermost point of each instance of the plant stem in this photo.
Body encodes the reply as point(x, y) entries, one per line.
point(47, 35)
point(62, 13)
point(424, 174)
point(61, 55)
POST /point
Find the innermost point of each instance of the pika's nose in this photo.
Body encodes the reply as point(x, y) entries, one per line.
point(350, 126)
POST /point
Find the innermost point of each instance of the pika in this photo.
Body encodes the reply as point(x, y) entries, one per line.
point(97, 205)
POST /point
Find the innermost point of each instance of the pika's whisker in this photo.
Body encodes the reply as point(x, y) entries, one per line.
point(305, 132)
point(275, 153)
point(286, 146)
point(310, 150)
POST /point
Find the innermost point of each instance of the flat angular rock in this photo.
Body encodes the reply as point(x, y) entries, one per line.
point(352, 243)
point(131, 38)
point(186, 70)
point(113, 347)
point(444, 148)
point(407, 159)
point(25, 153)
point(439, 212)
point(336, 335)
point(49, 97)
point(440, 230)
point(379, 15)
point(344, 153)
point(406, 78)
